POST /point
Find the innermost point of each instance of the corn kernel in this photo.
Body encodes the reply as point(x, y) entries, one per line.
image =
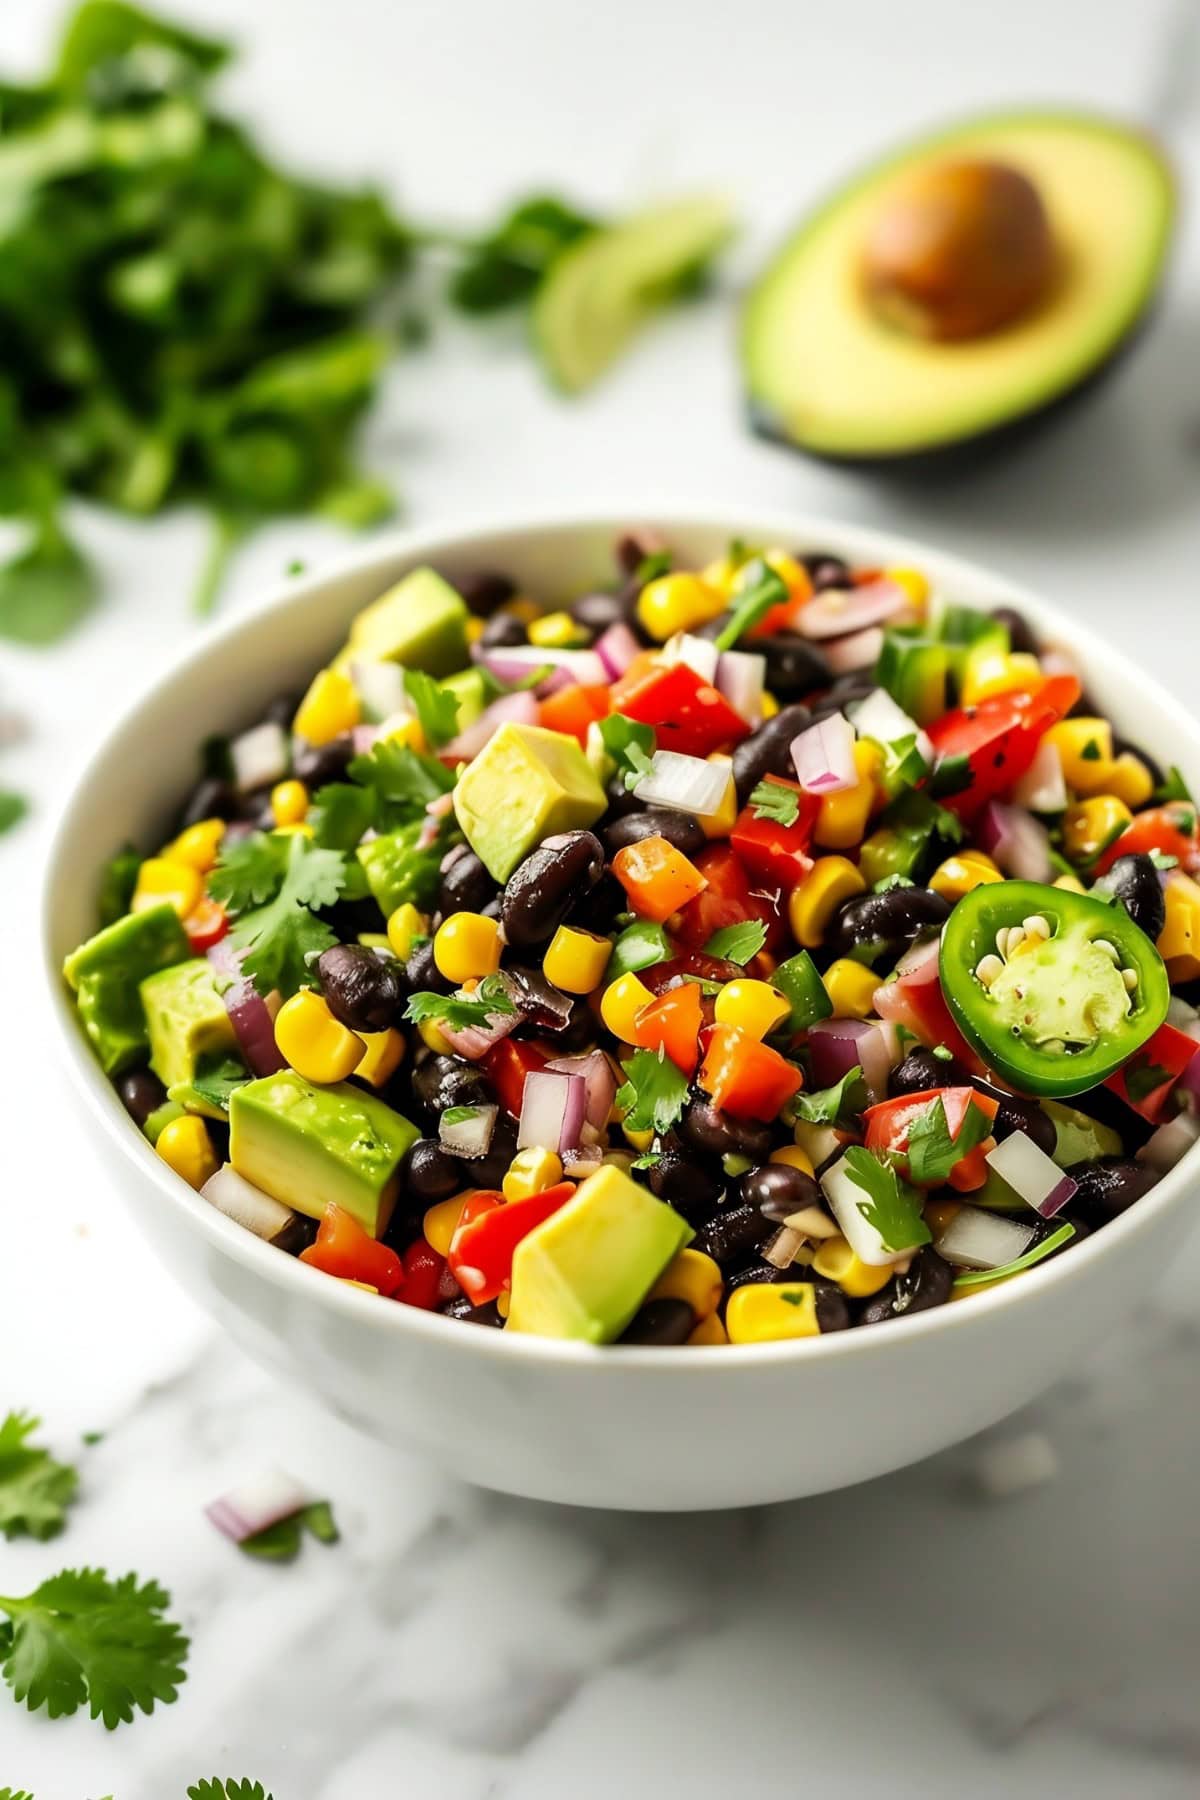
point(405, 731)
point(441, 1222)
point(620, 1004)
point(837, 1262)
point(913, 581)
point(755, 1006)
point(794, 1157)
point(1179, 940)
point(382, 1057)
point(404, 927)
point(959, 874)
point(766, 1312)
point(576, 960)
point(328, 708)
point(474, 629)
point(719, 824)
point(555, 631)
point(811, 905)
point(1130, 780)
point(1070, 884)
point(467, 947)
point(709, 1331)
point(302, 829)
point(851, 987)
point(186, 1147)
point(531, 1172)
point(720, 575)
point(1085, 749)
point(313, 1042)
point(674, 603)
point(1089, 826)
point(503, 1302)
point(637, 1140)
point(159, 880)
point(197, 846)
point(523, 608)
point(289, 802)
point(843, 817)
point(690, 1276)
point(434, 1038)
point(1004, 673)
point(770, 705)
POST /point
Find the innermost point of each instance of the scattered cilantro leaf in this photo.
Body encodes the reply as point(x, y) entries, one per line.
point(649, 1159)
point(283, 938)
point(506, 266)
point(791, 1299)
point(1047, 1247)
point(80, 1638)
point(91, 1437)
point(630, 744)
point(340, 814)
point(250, 872)
point(13, 808)
point(932, 1152)
point(215, 1789)
point(35, 1490)
point(1090, 751)
point(889, 882)
point(460, 1011)
point(840, 1104)
point(652, 566)
point(1142, 1076)
point(216, 1081)
point(891, 1207)
point(654, 1092)
point(297, 566)
point(1185, 822)
point(761, 589)
point(7, 1793)
point(44, 590)
point(738, 943)
point(459, 1115)
point(281, 1542)
point(1173, 788)
point(401, 779)
point(118, 879)
point(1162, 861)
point(776, 801)
point(951, 775)
point(436, 707)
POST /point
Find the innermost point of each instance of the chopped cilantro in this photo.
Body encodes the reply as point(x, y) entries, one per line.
point(837, 1105)
point(892, 1208)
point(216, 1081)
point(1047, 1247)
point(215, 1789)
point(1162, 861)
point(13, 808)
point(737, 943)
point(654, 1092)
point(1173, 788)
point(435, 706)
point(281, 1542)
point(1090, 752)
point(630, 744)
point(283, 937)
point(402, 781)
point(297, 566)
point(340, 814)
point(776, 801)
point(942, 1053)
point(889, 882)
point(1142, 1077)
point(460, 1011)
point(796, 1299)
point(649, 1159)
point(251, 872)
point(459, 1115)
point(761, 589)
point(652, 566)
point(951, 775)
point(932, 1152)
point(35, 1490)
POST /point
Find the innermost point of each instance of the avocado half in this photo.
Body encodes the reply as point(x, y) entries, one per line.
point(826, 375)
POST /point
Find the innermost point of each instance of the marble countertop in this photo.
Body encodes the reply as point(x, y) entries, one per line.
point(908, 1637)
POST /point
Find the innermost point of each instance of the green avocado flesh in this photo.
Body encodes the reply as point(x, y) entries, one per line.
point(824, 373)
point(526, 784)
point(1069, 993)
point(421, 622)
point(106, 973)
point(185, 1020)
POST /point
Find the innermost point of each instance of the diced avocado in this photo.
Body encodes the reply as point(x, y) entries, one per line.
point(526, 784)
point(421, 622)
point(397, 871)
point(470, 689)
point(1080, 1138)
point(185, 1020)
point(312, 1147)
point(586, 1270)
point(105, 973)
point(160, 1118)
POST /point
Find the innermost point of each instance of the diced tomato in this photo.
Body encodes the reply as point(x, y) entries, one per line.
point(729, 898)
point(506, 1065)
point(1147, 1081)
point(342, 1248)
point(888, 1124)
point(423, 1269)
point(481, 1252)
point(1171, 829)
point(572, 709)
point(744, 1077)
point(915, 1000)
point(672, 1022)
point(1000, 738)
point(657, 877)
point(206, 925)
point(776, 854)
point(661, 976)
point(687, 713)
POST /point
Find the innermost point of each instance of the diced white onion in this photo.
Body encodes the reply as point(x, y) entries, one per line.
point(1032, 1175)
point(1171, 1142)
point(1010, 1465)
point(823, 756)
point(259, 756)
point(977, 1239)
point(880, 718)
point(246, 1204)
point(846, 1200)
point(380, 689)
point(741, 677)
point(685, 783)
point(1043, 787)
point(699, 654)
point(471, 1137)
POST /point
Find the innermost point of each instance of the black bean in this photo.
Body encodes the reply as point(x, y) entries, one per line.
point(542, 888)
point(794, 665)
point(921, 1070)
point(421, 972)
point(1134, 882)
point(778, 1190)
point(596, 612)
point(466, 885)
point(1020, 632)
point(544, 1007)
point(211, 798)
point(484, 590)
point(363, 991)
point(660, 1322)
point(442, 1081)
point(768, 751)
point(706, 1127)
point(732, 1233)
point(679, 828)
point(141, 1092)
point(429, 1174)
point(596, 909)
point(621, 800)
point(1016, 1113)
point(1109, 1186)
point(489, 1171)
point(283, 710)
point(631, 551)
point(879, 928)
point(317, 764)
point(833, 1314)
point(927, 1283)
point(685, 1182)
point(461, 1308)
point(503, 631)
point(827, 571)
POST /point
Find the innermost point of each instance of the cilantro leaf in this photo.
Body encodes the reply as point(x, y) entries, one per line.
point(951, 775)
point(1162, 861)
point(216, 1080)
point(401, 779)
point(506, 266)
point(340, 814)
point(283, 938)
point(1047, 1247)
point(891, 1207)
point(738, 943)
point(932, 1152)
point(837, 1105)
point(776, 801)
point(35, 1491)
point(80, 1638)
point(251, 872)
point(1142, 1076)
point(629, 743)
point(215, 1789)
point(460, 1011)
point(649, 1159)
point(281, 1542)
point(1173, 788)
point(7, 1793)
point(13, 808)
point(459, 1115)
point(435, 706)
point(654, 1092)
point(652, 566)
point(942, 1053)
point(761, 589)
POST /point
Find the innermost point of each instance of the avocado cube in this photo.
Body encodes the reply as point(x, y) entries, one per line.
point(526, 784)
point(584, 1272)
point(397, 871)
point(185, 1020)
point(313, 1147)
point(105, 973)
point(421, 622)
point(471, 689)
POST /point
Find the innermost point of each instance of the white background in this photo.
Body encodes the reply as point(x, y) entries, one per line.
point(862, 1672)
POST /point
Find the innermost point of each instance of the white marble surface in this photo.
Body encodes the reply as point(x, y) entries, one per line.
point(905, 1638)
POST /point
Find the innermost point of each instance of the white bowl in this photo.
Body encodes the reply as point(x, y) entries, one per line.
point(637, 1428)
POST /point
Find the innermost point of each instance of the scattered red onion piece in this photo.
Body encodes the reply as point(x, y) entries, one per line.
point(250, 1508)
point(1043, 787)
point(1031, 1174)
point(259, 757)
point(1171, 1142)
point(598, 1079)
point(860, 650)
point(516, 709)
point(823, 756)
point(1016, 841)
point(741, 677)
point(836, 1046)
point(837, 611)
point(616, 649)
point(249, 1014)
point(365, 737)
point(552, 1110)
point(566, 666)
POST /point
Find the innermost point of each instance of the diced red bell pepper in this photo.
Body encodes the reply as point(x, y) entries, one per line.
point(507, 1064)
point(776, 854)
point(745, 1077)
point(481, 1251)
point(423, 1269)
point(672, 1022)
point(1000, 738)
point(658, 879)
point(887, 1125)
point(342, 1248)
point(1147, 1081)
point(206, 925)
point(688, 714)
point(729, 898)
point(1159, 828)
point(572, 709)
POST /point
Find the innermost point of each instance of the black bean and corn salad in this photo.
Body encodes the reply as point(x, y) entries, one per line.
point(736, 954)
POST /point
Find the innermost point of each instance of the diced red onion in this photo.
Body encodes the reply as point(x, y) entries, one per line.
point(837, 611)
point(696, 653)
point(616, 649)
point(836, 1046)
point(380, 688)
point(845, 1198)
point(474, 1041)
point(978, 1239)
point(249, 1014)
point(1171, 1142)
point(427, 837)
point(1016, 841)
point(249, 1508)
point(1187, 1084)
point(517, 709)
point(823, 756)
point(741, 677)
point(246, 1204)
point(686, 784)
point(552, 1110)
point(468, 1138)
point(516, 662)
point(441, 808)
point(598, 1079)
point(860, 650)
point(1031, 1174)
point(260, 757)
point(1043, 787)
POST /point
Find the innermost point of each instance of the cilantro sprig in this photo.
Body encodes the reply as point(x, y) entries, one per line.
point(401, 781)
point(630, 744)
point(761, 589)
point(654, 1092)
point(932, 1152)
point(738, 943)
point(891, 1207)
point(460, 1011)
point(840, 1104)
point(35, 1490)
point(215, 1789)
point(776, 801)
point(435, 706)
point(273, 882)
point(1173, 788)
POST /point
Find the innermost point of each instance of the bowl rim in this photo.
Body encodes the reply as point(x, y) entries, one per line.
point(873, 545)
